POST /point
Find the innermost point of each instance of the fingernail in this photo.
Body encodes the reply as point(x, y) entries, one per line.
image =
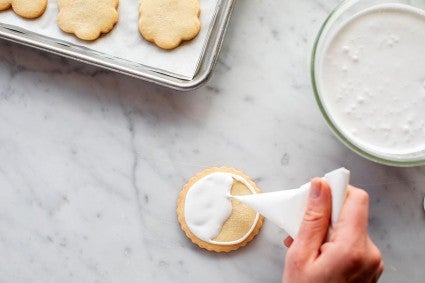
point(316, 189)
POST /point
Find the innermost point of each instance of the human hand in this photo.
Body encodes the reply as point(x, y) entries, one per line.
point(348, 255)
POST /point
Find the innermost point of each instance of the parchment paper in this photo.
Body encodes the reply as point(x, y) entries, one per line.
point(125, 41)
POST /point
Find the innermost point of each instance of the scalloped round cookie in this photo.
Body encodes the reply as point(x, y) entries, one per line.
point(210, 218)
point(87, 19)
point(29, 9)
point(169, 22)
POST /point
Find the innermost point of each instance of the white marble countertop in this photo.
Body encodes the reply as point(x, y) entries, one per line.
point(91, 162)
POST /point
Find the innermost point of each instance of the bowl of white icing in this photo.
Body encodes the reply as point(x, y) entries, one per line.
point(368, 75)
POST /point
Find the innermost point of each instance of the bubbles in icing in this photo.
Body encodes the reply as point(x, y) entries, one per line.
point(371, 80)
point(208, 206)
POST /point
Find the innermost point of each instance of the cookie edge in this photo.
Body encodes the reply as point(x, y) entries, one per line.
point(170, 45)
point(29, 16)
point(181, 218)
point(93, 36)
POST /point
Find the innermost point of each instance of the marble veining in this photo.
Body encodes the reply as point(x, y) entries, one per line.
point(91, 162)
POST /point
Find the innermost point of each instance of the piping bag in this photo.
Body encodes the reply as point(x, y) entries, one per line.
point(286, 208)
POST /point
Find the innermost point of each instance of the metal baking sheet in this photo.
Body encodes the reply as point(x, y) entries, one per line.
point(200, 54)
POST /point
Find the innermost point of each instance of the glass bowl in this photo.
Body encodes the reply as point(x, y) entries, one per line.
point(345, 11)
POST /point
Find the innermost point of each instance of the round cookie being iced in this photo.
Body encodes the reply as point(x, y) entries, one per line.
point(29, 9)
point(210, 217)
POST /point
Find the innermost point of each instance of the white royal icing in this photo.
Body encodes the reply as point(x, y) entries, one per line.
point(208, 206)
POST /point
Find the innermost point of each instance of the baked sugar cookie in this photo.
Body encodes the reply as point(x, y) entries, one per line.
point(169, 22)
point(29, 9)
point(87, 19)
point(210, 217)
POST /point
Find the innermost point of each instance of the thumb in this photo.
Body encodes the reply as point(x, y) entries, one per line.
point(316, 221)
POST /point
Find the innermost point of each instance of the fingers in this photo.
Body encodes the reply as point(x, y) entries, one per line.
point(288, 241)
point(348, 256)
point(314, 227)
point(376, 263)
point(354, 214)
point(380, 270)
point(378, 273)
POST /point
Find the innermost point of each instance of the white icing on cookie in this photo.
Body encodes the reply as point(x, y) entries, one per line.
point(208, 206)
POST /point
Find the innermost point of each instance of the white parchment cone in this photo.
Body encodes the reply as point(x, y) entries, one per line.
point(286, 208)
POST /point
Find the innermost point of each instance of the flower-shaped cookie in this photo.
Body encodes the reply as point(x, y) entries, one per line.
point(29, 9)
point(169, 22)
point(87, 19)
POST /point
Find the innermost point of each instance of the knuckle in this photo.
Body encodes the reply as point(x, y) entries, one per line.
point(355, 259)
point(376, 259)
point(362, 195)
point(313, 216)
point(294, 260)
point(314, 221)
point(381, 267)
